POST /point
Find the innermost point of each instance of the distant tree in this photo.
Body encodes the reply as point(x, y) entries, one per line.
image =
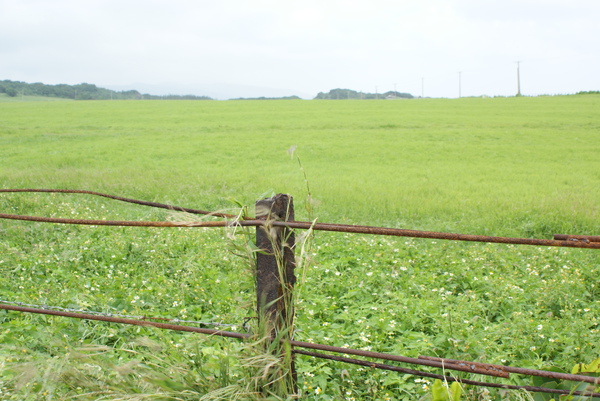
point(131, 94)
point(269, 98)
point(83, 91)
point(393, 94)
point(340, 94)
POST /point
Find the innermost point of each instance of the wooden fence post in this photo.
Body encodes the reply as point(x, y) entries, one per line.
point(275, 276)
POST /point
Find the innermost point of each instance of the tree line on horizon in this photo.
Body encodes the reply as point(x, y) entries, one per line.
point(83, 91)
point(340, 94)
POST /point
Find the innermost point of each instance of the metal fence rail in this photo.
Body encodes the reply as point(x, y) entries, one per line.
point(465, 366)
point(571, 241)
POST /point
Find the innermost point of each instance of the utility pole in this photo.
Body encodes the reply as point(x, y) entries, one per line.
point(518, 79)
point(459, 84)
point(423, 87)
point(395, 91)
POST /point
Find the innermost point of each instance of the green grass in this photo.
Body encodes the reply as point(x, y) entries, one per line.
point(467, 164)
point(524, 167)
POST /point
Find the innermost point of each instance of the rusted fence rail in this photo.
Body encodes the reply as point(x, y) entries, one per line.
point(471, 367)
point(275, 224)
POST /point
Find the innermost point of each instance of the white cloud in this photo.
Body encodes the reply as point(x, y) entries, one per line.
point(313, 45)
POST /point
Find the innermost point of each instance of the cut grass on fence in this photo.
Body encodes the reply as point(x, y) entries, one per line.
point(524, 167)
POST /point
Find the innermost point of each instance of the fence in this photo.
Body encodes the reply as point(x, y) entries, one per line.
point(275, 280)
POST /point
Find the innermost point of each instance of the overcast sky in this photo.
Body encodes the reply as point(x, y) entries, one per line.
point(307, 46)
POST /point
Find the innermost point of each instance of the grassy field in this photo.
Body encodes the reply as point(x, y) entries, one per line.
point(467, 164)
point(525, 167)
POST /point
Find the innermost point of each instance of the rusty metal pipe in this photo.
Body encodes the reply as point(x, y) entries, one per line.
point(445, 378)
point(294, 343)
point(459, 365)
point(585, 238)
point(110, 319)
point(122, 199)
point(399, 358)
point(128, 223)
point(464, 366)
point(397, 232)
point(500, 370)
point(524, 371)
point(593, 242)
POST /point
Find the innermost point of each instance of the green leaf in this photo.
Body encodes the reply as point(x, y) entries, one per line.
point(439, 392)
point(593, 367)
point(456, 391)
